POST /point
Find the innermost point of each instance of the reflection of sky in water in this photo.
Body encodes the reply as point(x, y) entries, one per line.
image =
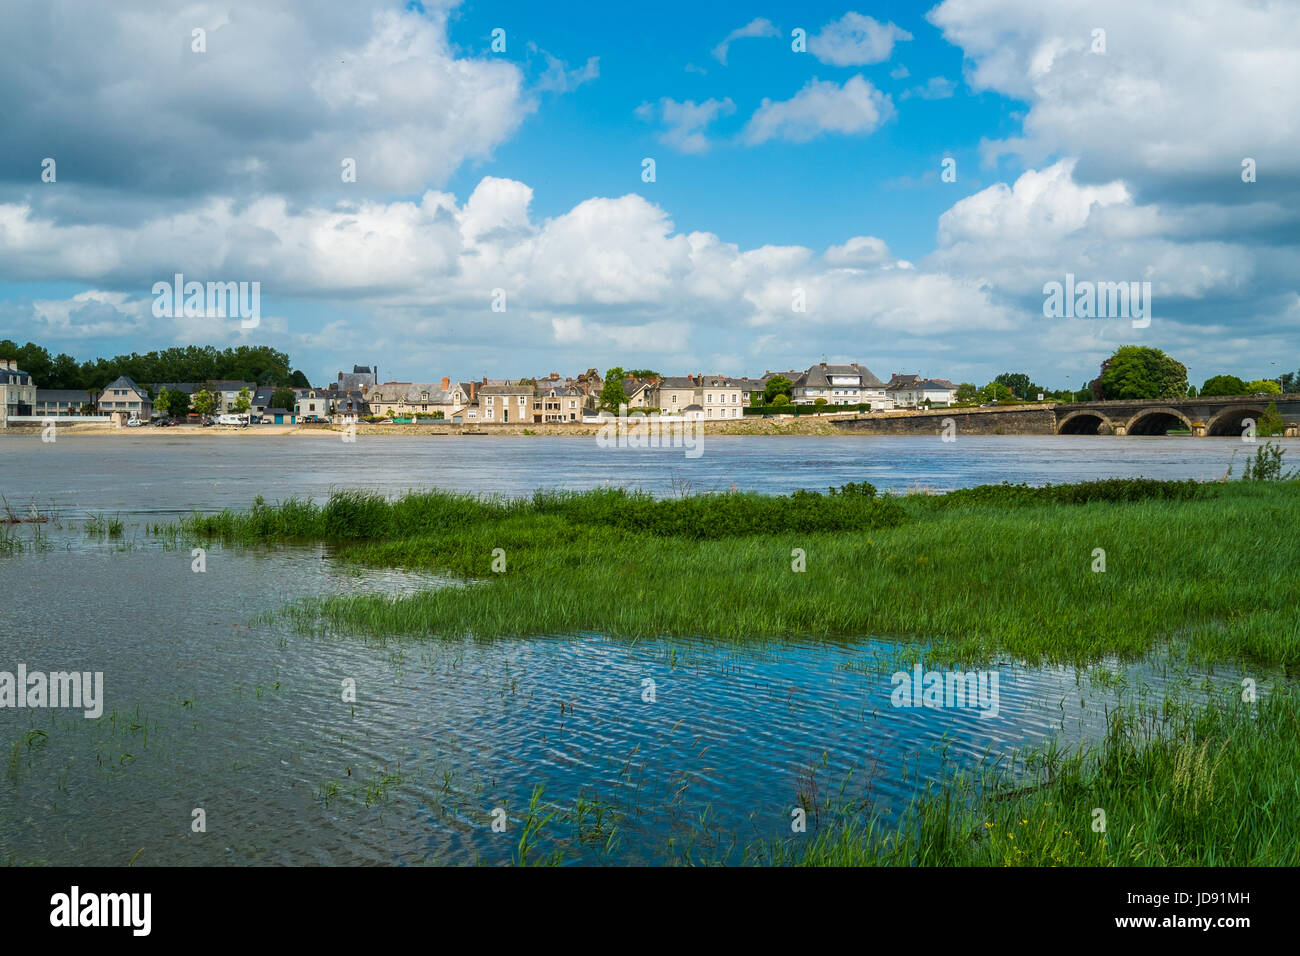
point(205, 708)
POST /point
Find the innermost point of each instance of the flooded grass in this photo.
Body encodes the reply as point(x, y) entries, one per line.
point(998, 570)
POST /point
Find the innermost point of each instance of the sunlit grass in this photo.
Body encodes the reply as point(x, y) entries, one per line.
point(1000, 572)
point(1216, 787)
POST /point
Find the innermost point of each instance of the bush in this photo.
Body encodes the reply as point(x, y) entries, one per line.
point(1109, 490)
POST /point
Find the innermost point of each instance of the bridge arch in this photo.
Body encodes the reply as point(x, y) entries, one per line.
point(1228, 421)
point(1157, 421)
point(1086, 421)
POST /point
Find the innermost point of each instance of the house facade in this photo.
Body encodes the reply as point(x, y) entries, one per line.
point(123, 400)
point(838, 385)
point(417, 398)
point(558, 403)
point(936, 391)
point(61, 402)
point(506, 404)
point(225, 392)
point(312, 402)
point(17, 391)
point(716, 397)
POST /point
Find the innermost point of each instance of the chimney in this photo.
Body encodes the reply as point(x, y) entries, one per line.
point(473, 390)
point(446, 383)
point(340, 376)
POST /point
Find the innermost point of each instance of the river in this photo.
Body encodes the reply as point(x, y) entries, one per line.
point(215, 704)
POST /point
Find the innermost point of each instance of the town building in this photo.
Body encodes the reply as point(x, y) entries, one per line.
point(62, 402)
point(838, 385)
point(225, 393)
point(362, 378)
point(715, 396)
point(505, 404)
point(17, 391)
point(123, 400)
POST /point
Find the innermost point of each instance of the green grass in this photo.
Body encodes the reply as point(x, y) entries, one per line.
point(1216, 787)
point(987, 571)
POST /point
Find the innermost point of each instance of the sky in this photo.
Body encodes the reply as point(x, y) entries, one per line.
point(893, 183)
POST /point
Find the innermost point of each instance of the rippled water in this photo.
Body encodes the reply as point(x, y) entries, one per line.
point(210, 707)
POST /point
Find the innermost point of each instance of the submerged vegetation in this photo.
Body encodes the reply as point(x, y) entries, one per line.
point(1066, 573)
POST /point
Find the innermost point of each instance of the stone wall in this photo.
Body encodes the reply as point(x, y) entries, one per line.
point(1030, 420)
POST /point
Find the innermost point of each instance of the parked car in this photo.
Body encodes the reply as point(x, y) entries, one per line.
point(315, 420)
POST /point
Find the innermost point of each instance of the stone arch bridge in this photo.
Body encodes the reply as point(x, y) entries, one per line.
point(1224, 416)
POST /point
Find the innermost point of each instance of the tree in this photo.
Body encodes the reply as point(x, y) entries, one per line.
point(202, 401)
point(243, 401)
point(1138, 371)
point(1270, 423)
point(1266, 386)
point(283, 398)
point(173, 402)
point(1287, 380)
point(1223, 385)
point(1018, 383)
point(298, 380)
point(642, 373)
point(820, 401)
point(995, 392)
point(612, 394)
point(966, 392)
point(777, 385)
point(781, 400)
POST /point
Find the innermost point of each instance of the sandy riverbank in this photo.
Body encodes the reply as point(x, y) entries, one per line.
point(771, 426)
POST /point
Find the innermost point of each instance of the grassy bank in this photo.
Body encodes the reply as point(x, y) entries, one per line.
point(1216, 787)
point(987, 571)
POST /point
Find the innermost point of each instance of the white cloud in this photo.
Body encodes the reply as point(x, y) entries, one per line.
point(558, 78)
point(283, 93)
point(759, 27)
point(822, 106)
point(1181, 89)
point(686, 122)
point(936, 88)
point(856, 40)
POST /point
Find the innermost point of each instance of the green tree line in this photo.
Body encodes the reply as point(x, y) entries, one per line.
point(191, 363)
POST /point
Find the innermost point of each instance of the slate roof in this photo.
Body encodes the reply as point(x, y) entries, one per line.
point(63, 395)
point(819, 376)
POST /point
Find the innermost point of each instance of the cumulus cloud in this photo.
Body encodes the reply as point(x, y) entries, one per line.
point(822, 106)
point(280, 96)
point(1125, 112)
point(856, 40)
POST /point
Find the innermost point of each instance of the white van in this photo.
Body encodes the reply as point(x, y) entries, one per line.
point(232, 419)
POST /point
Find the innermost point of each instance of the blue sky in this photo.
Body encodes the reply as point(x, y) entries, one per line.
point(780, 176)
